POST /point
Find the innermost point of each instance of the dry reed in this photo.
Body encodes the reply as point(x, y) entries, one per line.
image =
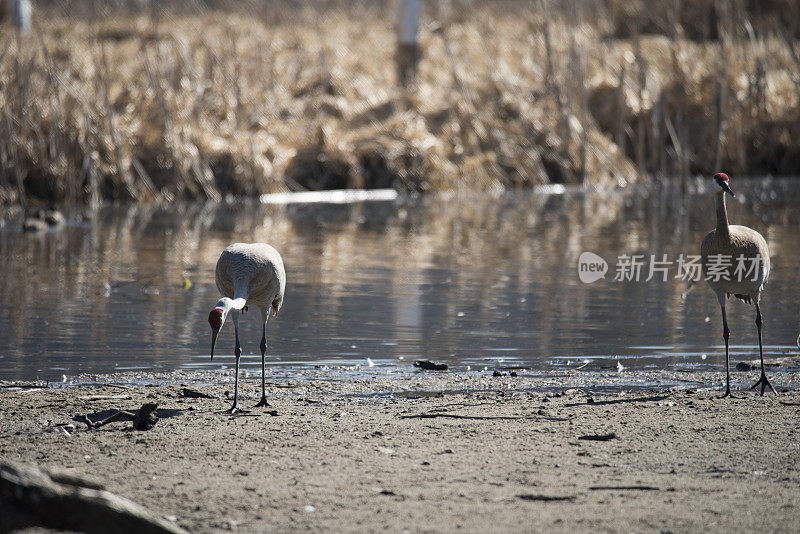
point(135, 103)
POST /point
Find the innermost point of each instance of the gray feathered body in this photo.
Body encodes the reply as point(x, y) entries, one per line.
point(744, 241)
point(252, 271)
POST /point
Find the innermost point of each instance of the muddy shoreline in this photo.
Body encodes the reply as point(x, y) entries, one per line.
point(429, 452)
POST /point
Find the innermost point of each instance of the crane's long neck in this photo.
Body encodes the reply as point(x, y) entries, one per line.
point(225, 304)
point(722, 216)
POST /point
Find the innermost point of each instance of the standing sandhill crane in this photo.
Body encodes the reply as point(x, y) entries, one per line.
point(735, 262)
point(247, 273)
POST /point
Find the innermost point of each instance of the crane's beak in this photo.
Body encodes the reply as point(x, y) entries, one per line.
point(214, 334)
point(727, 189)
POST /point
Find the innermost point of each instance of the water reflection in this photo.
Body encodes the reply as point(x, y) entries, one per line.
point(473, 281)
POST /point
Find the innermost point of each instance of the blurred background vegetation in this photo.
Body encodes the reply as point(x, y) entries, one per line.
point(162, 100)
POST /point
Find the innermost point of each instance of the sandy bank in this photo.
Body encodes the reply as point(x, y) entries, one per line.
point(430, 452)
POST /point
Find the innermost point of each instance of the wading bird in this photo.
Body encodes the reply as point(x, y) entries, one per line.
point(735, 262)
point(247, 274)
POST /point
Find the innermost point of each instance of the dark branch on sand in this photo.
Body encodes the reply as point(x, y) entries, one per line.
point(625, 488)
point(433, 415)
point(144, 418)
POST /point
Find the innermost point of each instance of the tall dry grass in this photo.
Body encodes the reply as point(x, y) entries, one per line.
point(152, 100)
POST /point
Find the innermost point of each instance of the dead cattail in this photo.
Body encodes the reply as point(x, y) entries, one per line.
point(123, 105)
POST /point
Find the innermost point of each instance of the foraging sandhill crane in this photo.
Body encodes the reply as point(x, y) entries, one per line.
point(735, 262)
point(247, 274)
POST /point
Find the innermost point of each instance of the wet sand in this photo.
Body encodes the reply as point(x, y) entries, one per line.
point(431, 452)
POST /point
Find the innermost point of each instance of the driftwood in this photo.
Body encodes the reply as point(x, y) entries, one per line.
point(104, 397)
point(30, 497)
point(545, 498)
point(599, 437)
point(625, 488)
point(194, 394)
point(24, 385)
point(144, 418)
point(434, 415)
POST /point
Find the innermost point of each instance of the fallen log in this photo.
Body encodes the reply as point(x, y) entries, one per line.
point(31, 497)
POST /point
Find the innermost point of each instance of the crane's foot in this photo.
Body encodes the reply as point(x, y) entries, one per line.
point(234, 410)
point(728, 394)
point(262, 402)
point(764, 383)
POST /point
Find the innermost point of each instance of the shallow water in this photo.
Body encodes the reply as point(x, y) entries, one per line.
point(475, 281)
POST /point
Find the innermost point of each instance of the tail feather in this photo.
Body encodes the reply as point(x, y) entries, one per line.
point(276, 306)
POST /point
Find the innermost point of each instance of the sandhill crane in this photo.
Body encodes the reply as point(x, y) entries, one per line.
point(247, 274)
point(735, 262)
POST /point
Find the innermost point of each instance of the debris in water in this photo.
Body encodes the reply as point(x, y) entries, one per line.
point(428, 365)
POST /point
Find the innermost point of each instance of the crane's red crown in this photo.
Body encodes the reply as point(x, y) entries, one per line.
point(215, 318)
point(721, 177)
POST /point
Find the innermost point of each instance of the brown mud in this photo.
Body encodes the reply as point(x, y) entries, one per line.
point(430, 451)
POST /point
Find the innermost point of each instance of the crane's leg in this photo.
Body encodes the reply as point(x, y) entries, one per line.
point(763, 381)
point(237, 352)
point(726, 334)
point(263, 346)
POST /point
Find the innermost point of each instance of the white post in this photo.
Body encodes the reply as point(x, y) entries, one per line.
point(407, 46)
point(21, 12)
point(408, 21)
